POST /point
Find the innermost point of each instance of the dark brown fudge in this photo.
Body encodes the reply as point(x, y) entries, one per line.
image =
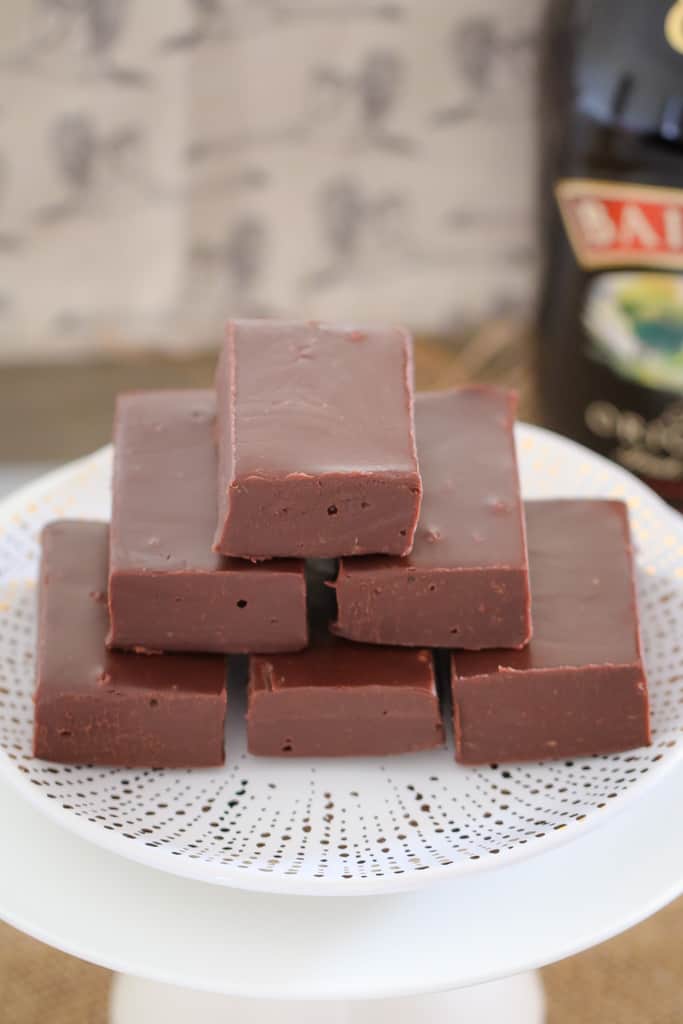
point(169, 591)
point(315, 439)
point(465, 583)
point(94, 706)
point(340, 699)
point(579, 687)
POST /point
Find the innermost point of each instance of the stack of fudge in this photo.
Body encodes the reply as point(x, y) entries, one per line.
point(312, 513)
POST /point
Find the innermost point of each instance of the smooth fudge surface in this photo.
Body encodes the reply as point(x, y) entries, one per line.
point(94, 706)
point(315, 440)
point(579, 687)
point(466, 581)
point(343, 699)
point(169, 591)
point(339, 698)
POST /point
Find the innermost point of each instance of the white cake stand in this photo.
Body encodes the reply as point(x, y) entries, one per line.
point(407, 927)
point(403, 958)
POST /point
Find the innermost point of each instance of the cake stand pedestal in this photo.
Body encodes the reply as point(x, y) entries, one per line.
point(185, 948)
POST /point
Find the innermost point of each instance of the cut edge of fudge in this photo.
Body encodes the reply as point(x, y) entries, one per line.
point(365, 619)
point(277, 598)
point(626, 686)
point(286, 719)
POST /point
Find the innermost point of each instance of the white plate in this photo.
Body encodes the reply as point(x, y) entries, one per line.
point(316, 826)
point(108, 910)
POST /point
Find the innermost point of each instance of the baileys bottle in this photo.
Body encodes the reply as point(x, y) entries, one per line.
point(610, 324)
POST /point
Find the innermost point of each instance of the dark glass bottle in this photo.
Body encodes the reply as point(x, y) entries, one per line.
point(610, 324)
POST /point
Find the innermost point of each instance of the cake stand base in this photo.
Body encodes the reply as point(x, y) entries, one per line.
point(516, 1000)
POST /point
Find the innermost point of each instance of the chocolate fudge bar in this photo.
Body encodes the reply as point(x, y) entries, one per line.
point(94, 706)
point(465, 583)
point(338, 698)
point(169, 591)
point(315, 440)
point(579, 687)
point(341, 699)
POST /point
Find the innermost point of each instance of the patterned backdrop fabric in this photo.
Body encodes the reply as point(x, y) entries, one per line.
point(165, 165)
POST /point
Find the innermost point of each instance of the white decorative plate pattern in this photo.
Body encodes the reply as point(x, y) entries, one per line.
point(358, 825)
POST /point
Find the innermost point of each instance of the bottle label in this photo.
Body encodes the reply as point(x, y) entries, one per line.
point(652, 449)
point(632, 316)
point(634, 324)
point(617, 224)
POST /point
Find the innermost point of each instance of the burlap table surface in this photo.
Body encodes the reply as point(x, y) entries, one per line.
point(636, 978)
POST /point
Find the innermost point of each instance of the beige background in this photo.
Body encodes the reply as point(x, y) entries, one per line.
point(164, 166)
